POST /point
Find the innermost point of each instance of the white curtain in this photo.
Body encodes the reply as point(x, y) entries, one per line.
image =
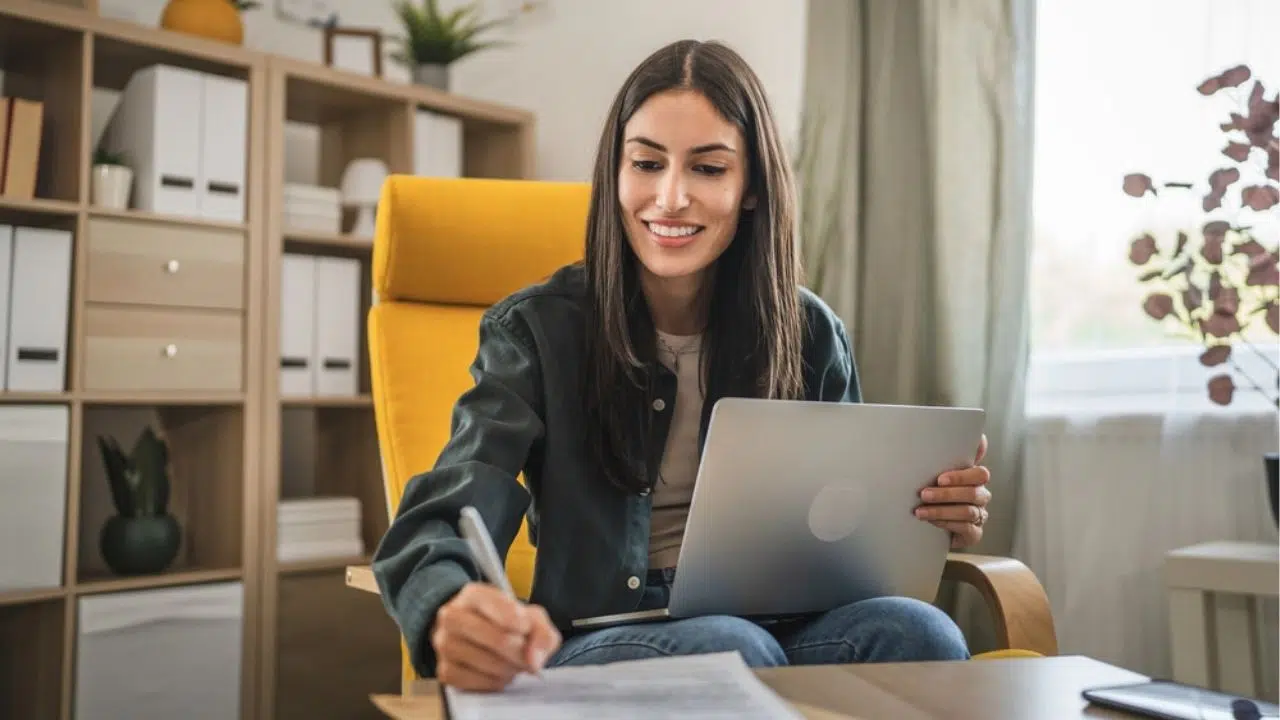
point(925, 119)
point(1108, 495)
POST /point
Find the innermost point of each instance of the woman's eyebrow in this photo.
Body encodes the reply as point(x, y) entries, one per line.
point(709, 147)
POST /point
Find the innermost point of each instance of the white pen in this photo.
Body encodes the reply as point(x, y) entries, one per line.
point(480, 543)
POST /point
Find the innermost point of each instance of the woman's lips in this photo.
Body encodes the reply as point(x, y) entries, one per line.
point(671, 234)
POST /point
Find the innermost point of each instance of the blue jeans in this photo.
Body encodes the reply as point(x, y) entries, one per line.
point(886, 629)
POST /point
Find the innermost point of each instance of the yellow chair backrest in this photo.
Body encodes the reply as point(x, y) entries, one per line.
point(444, 251)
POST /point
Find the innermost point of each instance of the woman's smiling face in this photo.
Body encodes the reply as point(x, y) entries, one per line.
point(681, 182)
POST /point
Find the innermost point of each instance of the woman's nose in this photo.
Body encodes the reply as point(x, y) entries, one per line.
point(671, 193)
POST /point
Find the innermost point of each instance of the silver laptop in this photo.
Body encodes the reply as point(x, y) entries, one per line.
point(803, 507)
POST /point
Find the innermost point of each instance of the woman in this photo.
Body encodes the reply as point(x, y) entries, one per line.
point(598, 385)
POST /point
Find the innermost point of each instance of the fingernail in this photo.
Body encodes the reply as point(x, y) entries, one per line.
point(928, 494)
point(944, 480)
point(539, 658)
point(921, 512)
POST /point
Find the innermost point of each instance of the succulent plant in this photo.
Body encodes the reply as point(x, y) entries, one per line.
point(139, 480)
point(438, 38)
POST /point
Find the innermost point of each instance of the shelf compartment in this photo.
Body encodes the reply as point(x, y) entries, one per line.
point(31, 662)
point(46, 63)
point(122, 48)
point(206, 445)
point(318, 613)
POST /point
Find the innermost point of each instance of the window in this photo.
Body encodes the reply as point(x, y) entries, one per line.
point(1116, 93)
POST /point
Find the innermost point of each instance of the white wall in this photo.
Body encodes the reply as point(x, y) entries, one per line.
point(565, 62)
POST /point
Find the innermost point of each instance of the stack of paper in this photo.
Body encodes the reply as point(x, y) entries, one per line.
point(315, 528)
point(312, 208)
point(693, 687)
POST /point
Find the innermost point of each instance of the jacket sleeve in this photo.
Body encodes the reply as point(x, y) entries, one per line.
point(840, 378)
point(422, 561)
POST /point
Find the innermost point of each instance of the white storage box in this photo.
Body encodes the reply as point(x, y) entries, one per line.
point(33, 485)
point(313, 528)
point(165, 653)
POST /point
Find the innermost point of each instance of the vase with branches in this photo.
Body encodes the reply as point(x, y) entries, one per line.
point(1219, 284)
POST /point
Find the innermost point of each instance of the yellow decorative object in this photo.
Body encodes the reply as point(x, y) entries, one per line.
point(213, 19)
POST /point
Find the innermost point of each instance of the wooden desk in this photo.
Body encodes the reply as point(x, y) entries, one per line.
point(1014, 689)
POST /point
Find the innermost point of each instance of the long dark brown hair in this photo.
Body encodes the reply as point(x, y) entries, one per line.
point(753, 339)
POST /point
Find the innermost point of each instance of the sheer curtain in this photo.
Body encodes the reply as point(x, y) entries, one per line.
point(923, 113)
point(1125, 458)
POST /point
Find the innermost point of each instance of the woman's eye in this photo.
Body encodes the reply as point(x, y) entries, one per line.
point(709, 169)
point(645, 165)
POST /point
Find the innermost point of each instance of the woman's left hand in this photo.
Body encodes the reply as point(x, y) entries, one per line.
point(958, 502)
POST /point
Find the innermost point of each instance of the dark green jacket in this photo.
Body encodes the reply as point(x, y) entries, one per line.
point(524, 414)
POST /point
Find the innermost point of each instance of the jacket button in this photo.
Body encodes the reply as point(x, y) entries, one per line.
point(633, 582)
point(659, 404)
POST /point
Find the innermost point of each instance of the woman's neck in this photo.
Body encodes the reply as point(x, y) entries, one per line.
point(679, 306)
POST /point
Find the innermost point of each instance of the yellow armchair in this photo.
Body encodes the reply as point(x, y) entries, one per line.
point(446, 249)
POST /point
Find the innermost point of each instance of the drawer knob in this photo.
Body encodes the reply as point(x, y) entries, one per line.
point(170, 350)
point(172, 266)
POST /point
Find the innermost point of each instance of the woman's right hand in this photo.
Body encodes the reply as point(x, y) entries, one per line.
point(482, 639)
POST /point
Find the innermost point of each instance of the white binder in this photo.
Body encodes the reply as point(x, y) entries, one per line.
point(337, 325)
point(224, 131)
point(437, 145)
point(297, 325)
point(157, 125)
point(38, 310)
point(6, 271)
point(184, 133)
point(33, 483)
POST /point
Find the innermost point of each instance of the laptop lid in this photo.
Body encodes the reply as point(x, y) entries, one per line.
point(806, 506)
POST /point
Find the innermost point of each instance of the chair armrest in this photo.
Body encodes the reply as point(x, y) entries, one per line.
point(1019, 607)
point(360, 577)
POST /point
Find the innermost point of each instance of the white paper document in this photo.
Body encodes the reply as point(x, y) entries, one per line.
point(693, 687)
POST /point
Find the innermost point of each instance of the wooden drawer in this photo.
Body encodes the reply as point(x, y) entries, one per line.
point(149, 263)
point(143, 349)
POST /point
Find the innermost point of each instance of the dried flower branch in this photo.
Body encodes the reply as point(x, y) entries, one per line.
point(1218, 287)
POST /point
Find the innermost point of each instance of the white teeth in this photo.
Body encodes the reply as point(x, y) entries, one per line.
point(673, 230)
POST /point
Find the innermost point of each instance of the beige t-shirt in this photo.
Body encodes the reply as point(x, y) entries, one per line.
point(682, 354)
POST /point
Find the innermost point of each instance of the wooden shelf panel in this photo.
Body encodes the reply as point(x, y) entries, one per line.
point(159, 398)
point(13, 208)
point(23, 597)
point(299, 567)
point(353, 401)
point(34, 398)
point(160, 218)
point(327, 244)
point(95, 584)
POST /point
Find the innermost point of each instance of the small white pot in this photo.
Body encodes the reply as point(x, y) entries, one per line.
point(111, 186)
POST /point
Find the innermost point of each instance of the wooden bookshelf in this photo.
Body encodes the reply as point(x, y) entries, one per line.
point(62, 53)
point(310, 646)
point(354, 116)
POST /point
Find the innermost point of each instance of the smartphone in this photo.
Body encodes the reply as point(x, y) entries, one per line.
point(1168, 700)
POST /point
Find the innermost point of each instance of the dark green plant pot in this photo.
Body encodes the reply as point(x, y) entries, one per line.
point(140, 545)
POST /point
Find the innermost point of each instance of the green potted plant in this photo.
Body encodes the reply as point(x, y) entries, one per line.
point(433, 40)
point(142, 537)
point(1219, 284)
point(112, 179)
